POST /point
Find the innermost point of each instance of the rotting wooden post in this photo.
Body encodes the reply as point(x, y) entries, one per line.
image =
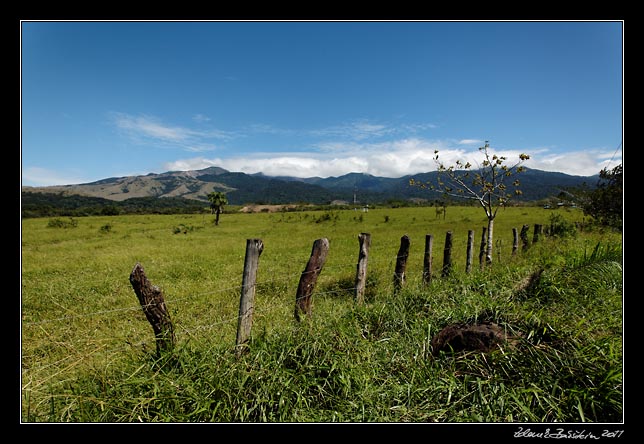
point(309, 277)
point(428, 259)
point(151, 300)
point(447, 255)
point(515, 241)
point(254, 248)
point(482, 249)
point(401, 263)
point(361, 268)
point(524, 237)
point(470, 247)
point(538, 230)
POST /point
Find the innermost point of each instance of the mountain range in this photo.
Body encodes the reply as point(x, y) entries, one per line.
point(242, 188)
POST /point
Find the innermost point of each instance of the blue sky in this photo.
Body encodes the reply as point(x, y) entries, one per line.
point(105, 99)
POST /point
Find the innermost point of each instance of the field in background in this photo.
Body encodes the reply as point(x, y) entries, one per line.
point(81, 317)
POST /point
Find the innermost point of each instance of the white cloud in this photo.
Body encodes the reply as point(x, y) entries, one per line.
point(469, 141)
point(263, 128)
point(364, 129)
point(355, 130)
point(195, 163)
point(392, 159)
point(388, 159)
point(150, 130)
point(577, 163)
point(416, 127)
point(200, 148)
point(200, 118)
point(359, 145)
point(358, 130)
point(43, 177)
point(147, 126)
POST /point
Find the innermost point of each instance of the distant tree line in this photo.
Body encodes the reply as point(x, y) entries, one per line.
point(57, 204)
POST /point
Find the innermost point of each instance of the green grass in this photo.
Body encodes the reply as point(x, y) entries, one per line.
point(88, 353)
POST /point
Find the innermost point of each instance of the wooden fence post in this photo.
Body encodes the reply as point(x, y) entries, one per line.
point(447, 255)
point(361, 268)
point(401, 263)
point(482, 249)
point(470, 246)
point(538, 230)
point(524, 237)
point(515, 241)
point(254, 248)
point(151, 300)
point(309, 277)
point(428, 259)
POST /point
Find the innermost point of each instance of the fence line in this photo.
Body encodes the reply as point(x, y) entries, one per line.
point(264, 308)
point(230, 320)
point(286, 277)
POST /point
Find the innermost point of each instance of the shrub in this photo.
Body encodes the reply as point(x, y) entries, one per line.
point(181, 229)
point(560, 227)
point(59, 223)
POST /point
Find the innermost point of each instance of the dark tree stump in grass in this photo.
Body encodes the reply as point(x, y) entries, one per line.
point(401, 263)
point(151, 300)
point(309, 277)
point(483, 337)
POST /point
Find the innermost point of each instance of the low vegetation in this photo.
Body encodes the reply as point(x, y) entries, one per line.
point(88, 353)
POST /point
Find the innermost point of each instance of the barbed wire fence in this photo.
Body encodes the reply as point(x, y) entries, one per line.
point(77, 348)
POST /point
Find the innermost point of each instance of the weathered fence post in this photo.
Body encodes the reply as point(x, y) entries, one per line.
point(538, 230)
point(524, 237)
point(151, 300)
point(482, 249)
point(309, 277)
point(254, 248)
point(515, 241)
point(447, 255)
point(361, 268)
point(428, 259)
point(470, 246)
point(401, 263)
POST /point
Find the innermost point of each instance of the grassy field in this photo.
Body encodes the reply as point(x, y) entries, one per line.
point(88, 351)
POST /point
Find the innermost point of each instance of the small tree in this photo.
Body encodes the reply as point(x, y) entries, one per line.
point(606, 202)
point(217, 201)
point(486, 185)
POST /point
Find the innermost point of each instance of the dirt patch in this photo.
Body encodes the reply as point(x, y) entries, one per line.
point(483, 337)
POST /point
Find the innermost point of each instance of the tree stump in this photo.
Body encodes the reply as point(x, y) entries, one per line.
point(401, 263)
point(151, 300)
point(309, 277)
point(483, 337)
point(428, 259)
point(447, 255)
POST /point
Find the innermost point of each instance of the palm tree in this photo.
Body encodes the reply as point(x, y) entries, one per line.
point(217, 201)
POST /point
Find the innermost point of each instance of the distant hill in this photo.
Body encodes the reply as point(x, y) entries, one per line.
point(184, 190)
point(535, 185)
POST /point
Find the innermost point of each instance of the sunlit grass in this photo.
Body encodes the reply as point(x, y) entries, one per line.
point(87, 349)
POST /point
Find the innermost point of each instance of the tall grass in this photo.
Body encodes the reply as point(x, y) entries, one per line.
point(88, 353)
